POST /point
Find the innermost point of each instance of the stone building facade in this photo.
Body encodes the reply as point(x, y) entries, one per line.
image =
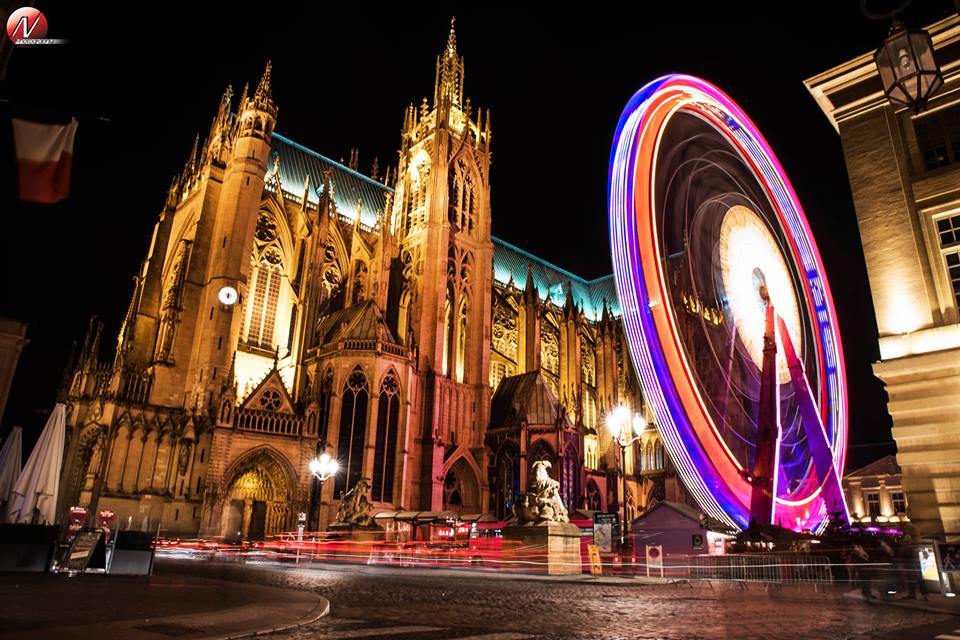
point(289, 305)
point(875, 494)
point(904, 175)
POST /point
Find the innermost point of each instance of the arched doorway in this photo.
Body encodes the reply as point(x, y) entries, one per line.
point(461, 490)
point(258, 497)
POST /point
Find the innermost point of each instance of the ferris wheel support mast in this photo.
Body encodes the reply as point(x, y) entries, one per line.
point(820, 450)
point(766, 461)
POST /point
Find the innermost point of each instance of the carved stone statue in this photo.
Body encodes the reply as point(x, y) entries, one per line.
point(541, 503)
point(355, 508)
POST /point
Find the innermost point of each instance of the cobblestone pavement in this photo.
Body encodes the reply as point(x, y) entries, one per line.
point(384, 603)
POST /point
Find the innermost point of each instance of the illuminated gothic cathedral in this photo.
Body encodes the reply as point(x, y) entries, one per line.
point(289, 305)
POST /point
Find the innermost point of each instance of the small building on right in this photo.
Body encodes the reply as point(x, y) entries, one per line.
point(904, 171)
point(875, 495)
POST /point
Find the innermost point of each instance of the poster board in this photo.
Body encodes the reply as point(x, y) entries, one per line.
point(86, 551)
point(603, 530)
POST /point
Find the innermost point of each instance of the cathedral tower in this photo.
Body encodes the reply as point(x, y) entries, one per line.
point(441, 214)
point(229, 239)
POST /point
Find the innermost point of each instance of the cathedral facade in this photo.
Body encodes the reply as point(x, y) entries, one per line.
point(290, 305)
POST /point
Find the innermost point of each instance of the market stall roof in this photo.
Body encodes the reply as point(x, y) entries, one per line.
point(418, 516)
point(478, 517)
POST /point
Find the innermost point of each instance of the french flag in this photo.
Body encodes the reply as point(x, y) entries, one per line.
point(44, 159)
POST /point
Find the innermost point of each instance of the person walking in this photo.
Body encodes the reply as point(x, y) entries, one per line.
point(911, 575)
point(860, 559)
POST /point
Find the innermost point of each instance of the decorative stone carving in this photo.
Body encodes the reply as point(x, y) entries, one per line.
point(355, 508)
point(542, 503)
point(588, 362)
point(504, 329)
point(550, 348)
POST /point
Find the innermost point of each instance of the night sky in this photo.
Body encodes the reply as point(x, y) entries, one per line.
point(143, 85)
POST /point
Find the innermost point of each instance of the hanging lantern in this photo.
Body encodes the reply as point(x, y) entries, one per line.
point(908, 71)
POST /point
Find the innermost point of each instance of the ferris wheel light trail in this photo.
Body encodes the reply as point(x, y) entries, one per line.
point(705, 231)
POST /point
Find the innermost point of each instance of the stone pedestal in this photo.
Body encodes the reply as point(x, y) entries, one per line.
point(553, 547)
point(344, 531)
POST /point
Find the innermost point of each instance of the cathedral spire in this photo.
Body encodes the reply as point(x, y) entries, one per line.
point(263, 98)
point(448, 90)
point(530, 292)
point(218, 141)
point(452, 38)
point(192, 163)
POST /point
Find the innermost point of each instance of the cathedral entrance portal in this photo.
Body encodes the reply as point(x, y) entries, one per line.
point(258, 499)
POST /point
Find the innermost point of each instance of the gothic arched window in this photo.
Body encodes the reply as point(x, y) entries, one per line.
point(461, 197)
point(541, 450)
point(384, 456)
point(466, 204)
point(589, 408)
point(424, 180)
point(352, 433)
point(323, 398)
point(447, 333)
point(506, 479)
point(649, 456)
point(569, 485)
point(263, 298)
point(453, 198)
point(594, 499)
point(461, 340)
point(658, 455)
point(452, 489)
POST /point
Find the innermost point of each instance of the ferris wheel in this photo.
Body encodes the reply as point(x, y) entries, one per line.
point(726, 307)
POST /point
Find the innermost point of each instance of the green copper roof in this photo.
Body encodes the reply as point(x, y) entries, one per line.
point(511, 263)
point(349, 186)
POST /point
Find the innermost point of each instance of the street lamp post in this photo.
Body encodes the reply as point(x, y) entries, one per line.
point(323, 468)
point(625, 431)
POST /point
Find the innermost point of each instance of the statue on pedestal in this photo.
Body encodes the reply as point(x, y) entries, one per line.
point(542, 503)
point(355, 508)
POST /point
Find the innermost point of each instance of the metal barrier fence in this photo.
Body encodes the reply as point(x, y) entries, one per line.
point(750, 568)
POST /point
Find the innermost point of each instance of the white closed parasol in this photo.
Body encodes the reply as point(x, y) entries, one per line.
point(11, 458)
point(34, 496)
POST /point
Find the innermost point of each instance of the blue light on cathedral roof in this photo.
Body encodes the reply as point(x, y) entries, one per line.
point(349, 186)
point(511, 262)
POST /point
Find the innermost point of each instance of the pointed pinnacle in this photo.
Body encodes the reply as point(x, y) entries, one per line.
point(452, 38)
point(264, 89)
